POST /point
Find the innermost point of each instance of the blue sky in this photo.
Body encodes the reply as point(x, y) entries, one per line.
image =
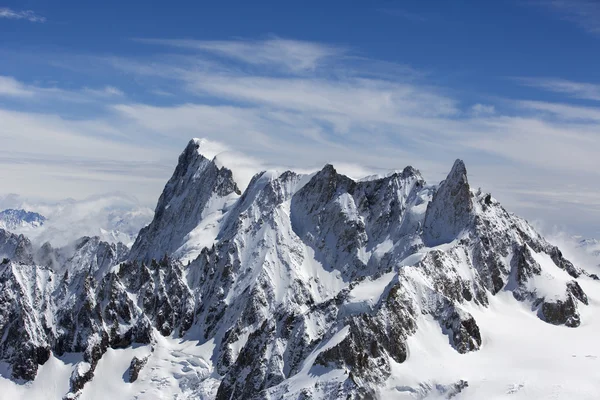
point(101, 97)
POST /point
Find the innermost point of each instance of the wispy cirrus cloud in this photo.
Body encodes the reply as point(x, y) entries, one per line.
point(331, 109)
point(410, 113)
point(564, 112)
point(479, 110)
point(579, 90)
point(27, 15)
point(585, 13)
point(293, 55)
point(106, 91)
point(11, 87)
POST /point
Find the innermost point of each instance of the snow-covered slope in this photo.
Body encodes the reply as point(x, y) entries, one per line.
point(307, 286)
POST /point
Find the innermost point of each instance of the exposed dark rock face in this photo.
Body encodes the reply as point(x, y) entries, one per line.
point(337, 216)
point(163, 295)
point(561, 312)
point(135, 367)
point(565, 312)
point(451, 209)
point(27, 360)
point(254, 370)
point(82, 374)
point(463, 331)
point(576, 291)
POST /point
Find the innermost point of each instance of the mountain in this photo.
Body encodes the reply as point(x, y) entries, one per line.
point(194, 199)
point(44, 301)
point(305, 287)
point(13, 220)
point(15, 247)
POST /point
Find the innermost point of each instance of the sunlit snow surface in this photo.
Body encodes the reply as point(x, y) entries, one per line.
point(175, 369)
point(520, 358)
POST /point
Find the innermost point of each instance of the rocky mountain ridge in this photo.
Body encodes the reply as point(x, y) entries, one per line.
point(11, 219)
point(301, 278)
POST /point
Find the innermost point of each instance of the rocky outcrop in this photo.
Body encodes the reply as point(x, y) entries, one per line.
point(135, 367)
point(82, 374)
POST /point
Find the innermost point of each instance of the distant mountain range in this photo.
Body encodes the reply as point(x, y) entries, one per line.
point(590, 246)
point(14, 220)
point(112, 217)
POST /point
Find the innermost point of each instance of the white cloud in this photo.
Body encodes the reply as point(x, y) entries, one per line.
point(9, 86)
point(46, 155)
point(537, 143)
point(367, 99)
point(564, 111)
point(112, 216)
point(579, 90)
point(293, 55)
point(26, 15)
point(482, 109)
point(107, 91)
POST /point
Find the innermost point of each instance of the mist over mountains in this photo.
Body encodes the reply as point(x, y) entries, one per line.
point(114, 217)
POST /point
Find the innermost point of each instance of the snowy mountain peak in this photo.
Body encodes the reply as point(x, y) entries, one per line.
point(410, 171)
point(12, 219)
point(458, 172)
point(15, 247)
point(197, 195)
point(451, 209)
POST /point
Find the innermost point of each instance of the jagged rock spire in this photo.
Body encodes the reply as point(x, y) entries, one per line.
point(450, 210)
point(15, 247)
point(196, 181)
